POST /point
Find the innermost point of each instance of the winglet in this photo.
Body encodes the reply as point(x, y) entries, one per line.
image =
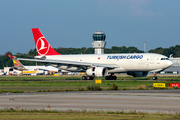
point(42, 45)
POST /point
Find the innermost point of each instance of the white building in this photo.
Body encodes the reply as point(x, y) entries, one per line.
point(99, 42)
point(11, 71)
point(174, 69)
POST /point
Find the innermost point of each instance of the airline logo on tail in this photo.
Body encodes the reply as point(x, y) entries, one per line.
point(16, 62)
point(42, 46)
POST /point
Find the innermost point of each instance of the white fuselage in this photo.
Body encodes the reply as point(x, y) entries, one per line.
point(125, 62)
point(44, 68)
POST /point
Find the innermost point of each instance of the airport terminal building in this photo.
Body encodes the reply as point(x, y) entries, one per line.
point(174, 69)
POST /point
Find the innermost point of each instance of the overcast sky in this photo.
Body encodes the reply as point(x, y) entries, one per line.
point(71, 23)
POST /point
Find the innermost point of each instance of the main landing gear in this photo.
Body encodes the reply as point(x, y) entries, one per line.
point(111, 77)
point(154, 77)
point(87, 78)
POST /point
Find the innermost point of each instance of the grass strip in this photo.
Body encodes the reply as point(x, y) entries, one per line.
point(18, 86)
point(78, 77)
point(18, 113)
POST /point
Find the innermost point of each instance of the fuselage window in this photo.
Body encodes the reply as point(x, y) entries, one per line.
point(164, 58)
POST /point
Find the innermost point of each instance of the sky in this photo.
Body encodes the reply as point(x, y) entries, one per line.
point(71, 23)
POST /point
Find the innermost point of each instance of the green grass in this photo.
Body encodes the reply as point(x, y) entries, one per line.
point(129, 83)
point(78, 77)
point(58, 85)
point(48, 77)
point(16, 84)
point(82, 116)
point(19, 114)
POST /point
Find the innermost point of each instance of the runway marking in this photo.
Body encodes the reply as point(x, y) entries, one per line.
point(118, 94)
point(146, 95)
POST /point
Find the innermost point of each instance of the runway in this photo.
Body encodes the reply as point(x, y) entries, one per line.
point(140, 100)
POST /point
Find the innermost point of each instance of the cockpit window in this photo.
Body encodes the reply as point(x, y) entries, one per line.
point(164, 58)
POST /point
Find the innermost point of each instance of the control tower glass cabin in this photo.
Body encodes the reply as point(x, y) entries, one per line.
point(99, 42)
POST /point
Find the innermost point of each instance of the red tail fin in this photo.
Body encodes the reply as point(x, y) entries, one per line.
point(42, 45)
point(10, 56)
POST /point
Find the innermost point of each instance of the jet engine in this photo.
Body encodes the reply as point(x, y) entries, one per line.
point(138, 74)
point(97, 71)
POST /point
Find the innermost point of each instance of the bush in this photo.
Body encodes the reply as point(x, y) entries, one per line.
point(114, 87)
point(175, 87)
point(94, 88)
point(39, 90)
point(142, 87)
point(81, 89)
point(124, 89)
point(11, 91)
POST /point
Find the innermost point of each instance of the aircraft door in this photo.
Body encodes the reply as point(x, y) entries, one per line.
point(151, 61)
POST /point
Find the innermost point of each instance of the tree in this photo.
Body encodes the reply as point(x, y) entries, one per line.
point(5, 61)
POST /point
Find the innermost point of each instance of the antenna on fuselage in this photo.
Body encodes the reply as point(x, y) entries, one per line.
point(171, 56)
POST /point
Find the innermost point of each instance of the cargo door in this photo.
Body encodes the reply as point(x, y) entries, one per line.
point(151, 60)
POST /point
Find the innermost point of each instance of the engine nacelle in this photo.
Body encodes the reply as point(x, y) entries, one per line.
point(138, 74)
point(97, 71)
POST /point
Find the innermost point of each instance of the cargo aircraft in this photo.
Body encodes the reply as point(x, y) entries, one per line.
point(99, 65)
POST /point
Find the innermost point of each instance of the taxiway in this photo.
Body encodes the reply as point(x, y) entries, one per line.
point(128, 100)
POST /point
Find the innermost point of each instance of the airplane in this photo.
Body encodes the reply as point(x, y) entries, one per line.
point(19, 66)
point(99, 65)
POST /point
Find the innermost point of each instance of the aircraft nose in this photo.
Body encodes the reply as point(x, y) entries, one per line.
point(170, 63)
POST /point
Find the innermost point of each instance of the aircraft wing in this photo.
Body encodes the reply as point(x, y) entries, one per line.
point(71, 63)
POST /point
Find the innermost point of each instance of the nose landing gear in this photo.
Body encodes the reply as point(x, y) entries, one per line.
point(155, 77)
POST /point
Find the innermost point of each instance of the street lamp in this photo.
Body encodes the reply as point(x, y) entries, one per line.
point(144, 46)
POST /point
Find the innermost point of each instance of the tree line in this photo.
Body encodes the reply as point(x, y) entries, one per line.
point(7, 62)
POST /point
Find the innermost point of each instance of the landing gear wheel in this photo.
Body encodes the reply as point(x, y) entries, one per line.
point(89, 77)
point(84, 78)
point(154, 78)
point(114, 77)
point(110, 77)
point(107, 77)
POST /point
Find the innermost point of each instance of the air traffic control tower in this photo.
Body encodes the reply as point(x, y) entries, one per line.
point(99, 42)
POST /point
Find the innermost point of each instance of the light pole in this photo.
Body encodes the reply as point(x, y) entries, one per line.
point(144, 46)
